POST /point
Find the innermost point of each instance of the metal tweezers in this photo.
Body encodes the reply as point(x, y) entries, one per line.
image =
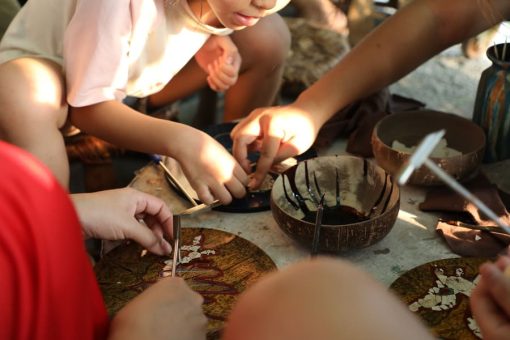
point(317, 229)
point(177, 218)
point(177, 231)
point(177, 246)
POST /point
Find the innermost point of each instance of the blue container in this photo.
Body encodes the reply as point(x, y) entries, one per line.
point(492, 105)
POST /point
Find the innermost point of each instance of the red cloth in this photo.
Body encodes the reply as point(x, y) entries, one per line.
point(48, 289)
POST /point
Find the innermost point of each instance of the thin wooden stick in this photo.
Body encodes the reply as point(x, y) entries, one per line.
point(504, 50)
point(177, 246)
point(495, 50)
point(317, 230)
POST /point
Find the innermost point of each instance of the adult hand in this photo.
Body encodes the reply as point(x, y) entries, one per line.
point(117, 215)
point(277, 133)
point(210, 169)
point(490, 300)
point(221, 60)
point(169, 309)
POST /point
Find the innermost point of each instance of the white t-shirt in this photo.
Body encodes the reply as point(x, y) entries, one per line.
point(108, 48)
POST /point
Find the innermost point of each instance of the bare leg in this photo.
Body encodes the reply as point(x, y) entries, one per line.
point(323, 13)
point(321, 299)
point(33, 109)
point(264, 48)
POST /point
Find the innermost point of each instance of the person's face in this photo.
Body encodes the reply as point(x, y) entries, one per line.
point(239, 14)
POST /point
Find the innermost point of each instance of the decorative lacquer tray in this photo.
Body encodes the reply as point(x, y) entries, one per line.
point(439, 293)
point(216, 264)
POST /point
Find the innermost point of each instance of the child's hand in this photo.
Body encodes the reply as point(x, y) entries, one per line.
point(490, 300)
point(116, 214)
point(210, 169)
point(169, 309)
point(220, 59)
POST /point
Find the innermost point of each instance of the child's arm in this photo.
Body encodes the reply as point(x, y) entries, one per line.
point(220, 59)
point(210, 169)
point(169, 309)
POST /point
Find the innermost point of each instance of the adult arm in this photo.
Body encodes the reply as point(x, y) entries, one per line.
point(210, 169)
point(400, 44)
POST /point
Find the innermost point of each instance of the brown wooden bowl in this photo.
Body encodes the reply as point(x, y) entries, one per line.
point(410, 127)
point(361, 214)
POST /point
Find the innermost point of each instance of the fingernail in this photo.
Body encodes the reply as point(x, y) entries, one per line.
point(251, 183)
point(230, 60)
point(167, 248)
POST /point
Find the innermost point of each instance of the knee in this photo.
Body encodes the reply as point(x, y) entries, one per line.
point(268, 46)
point(35, 95)
point(278, 43)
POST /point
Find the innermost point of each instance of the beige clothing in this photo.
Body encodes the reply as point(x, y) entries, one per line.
point(108, 49)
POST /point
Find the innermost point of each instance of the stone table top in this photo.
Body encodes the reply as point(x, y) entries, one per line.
point(413, 240)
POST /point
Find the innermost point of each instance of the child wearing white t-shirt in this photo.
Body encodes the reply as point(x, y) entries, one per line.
point(75, 61)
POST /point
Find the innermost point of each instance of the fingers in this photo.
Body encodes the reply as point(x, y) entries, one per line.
point(209, 189)
point(151, 240)
point(503, 262)
point(221, 193)
point(243, 135)
point(208, 193)
point(486, 307)
point(483, 307)
point(167, 309)
point(155, 207)
point(183, 291)
point(269, 150)
point(498, 285)
point(222, 75)
point(237, 187)
point(158, 220)
point(203, 192)
point(240, 151)
point(271, 144)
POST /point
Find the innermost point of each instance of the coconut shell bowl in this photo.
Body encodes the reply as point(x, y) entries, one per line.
point(361, 202)
point(460, 153)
